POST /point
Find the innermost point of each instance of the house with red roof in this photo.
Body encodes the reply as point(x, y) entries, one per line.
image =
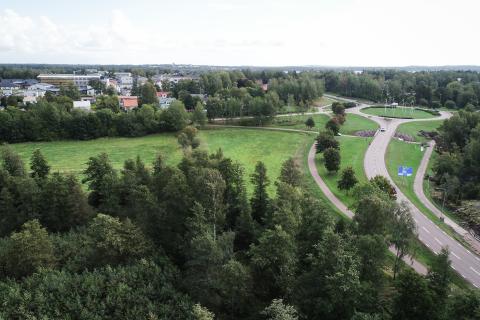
point(128, 102)
point(163, 94)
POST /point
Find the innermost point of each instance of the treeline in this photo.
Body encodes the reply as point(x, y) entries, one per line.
point(47, 121)
point(456, 169)
point(187, 242)
point(243, 93)
point(451, 89)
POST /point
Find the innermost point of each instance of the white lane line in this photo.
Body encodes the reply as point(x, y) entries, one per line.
point(454, 268)
point(475, 271)
point(425, 229)
point(453, 254)
point(438, 241)
point(475, 285)
point(464, 276)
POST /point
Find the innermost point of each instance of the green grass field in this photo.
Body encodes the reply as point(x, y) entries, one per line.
point(398, 113)
point(244, 146)
point(298, 122)
point(413, 128)
point(352, 151)
point(352, 124)
point(356, 123)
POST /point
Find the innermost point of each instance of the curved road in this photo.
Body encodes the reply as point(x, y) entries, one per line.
point(466, 263)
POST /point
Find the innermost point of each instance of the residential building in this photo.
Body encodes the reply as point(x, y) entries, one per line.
point(83, 105)
point(128, 102)
point(65, 79)
point(165, 102)
point(163, 94)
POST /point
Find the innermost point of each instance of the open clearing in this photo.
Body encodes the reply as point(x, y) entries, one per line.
point(407, 113)
point(244, 146)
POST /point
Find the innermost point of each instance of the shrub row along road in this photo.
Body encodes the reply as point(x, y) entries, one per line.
point(466, 263)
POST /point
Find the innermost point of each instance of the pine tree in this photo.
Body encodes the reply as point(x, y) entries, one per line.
point(38, 165)
point(260, 201)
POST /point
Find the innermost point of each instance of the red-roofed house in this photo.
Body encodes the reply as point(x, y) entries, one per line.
point(128, 102)
point(163, 94)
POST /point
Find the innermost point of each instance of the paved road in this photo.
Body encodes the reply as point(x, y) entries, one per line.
point(466, 263)
point(417, 266)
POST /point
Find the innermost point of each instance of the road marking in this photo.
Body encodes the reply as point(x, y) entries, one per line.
point(475, 285)
point(454, 268)
point(438, 241)
point(475, 271)
point(425, 229)
point(453, 254)
point(428, 245)
point(464, 276)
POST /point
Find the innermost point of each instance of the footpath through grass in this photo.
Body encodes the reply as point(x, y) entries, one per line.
point(399, 112)
point(244, 146)
point(413, 128)
point(352, 152)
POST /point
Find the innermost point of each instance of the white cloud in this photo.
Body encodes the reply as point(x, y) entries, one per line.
point(266, 32)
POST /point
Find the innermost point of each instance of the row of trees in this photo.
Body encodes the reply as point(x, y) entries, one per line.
point(452, 89)
point(190, 242)
point(48, 121)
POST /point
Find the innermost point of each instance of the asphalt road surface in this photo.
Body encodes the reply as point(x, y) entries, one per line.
point(466, 263)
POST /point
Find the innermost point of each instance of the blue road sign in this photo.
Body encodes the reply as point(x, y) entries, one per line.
point(405, 171)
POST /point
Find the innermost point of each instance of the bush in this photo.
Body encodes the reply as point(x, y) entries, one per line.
point(450, 104)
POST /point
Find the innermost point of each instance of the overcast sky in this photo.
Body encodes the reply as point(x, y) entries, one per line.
point(241, 32)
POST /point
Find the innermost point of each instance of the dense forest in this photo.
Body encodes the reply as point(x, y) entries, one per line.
point(188, 242)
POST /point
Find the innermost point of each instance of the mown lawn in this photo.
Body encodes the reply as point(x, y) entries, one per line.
point(352, 124)
point(399, 112)
point(244, 146)
point(412, 128)
point(356, 123)
point(298, 122)
point(352, 152)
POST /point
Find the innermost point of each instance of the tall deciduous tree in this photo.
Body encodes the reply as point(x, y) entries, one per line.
point(332, 159)
point(326, 140)
point(347, 180)
point(402, 233)
point(148, 94)
point(28, 250)
point(290, 173)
